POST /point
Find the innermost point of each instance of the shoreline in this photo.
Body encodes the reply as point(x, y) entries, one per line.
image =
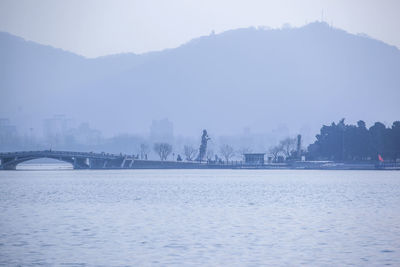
point(172, 165)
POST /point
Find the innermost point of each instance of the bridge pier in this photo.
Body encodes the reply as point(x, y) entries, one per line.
point(7, 163)
point(12, 167)
point(81, 163)
point(96, 163)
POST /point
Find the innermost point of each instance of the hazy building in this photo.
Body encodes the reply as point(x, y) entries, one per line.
point(86, 135)
point(56, 128)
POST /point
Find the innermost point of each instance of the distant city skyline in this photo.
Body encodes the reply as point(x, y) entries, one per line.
point(98, 28)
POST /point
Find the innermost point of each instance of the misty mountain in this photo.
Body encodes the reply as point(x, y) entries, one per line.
point(256, 78)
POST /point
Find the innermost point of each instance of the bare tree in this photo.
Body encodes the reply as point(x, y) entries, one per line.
point(163, 150)
point(190, 152)
point(288, 145)
point(275, 151)
point(227, 152)
point(144, 150)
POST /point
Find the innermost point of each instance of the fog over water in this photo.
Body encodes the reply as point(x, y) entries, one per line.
point(199, 217)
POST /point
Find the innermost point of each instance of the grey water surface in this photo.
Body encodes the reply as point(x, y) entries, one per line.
point(199, 217)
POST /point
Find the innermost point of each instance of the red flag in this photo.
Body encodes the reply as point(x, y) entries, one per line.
point(380, 158)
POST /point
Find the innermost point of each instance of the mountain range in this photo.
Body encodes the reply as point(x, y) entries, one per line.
point(253, 77)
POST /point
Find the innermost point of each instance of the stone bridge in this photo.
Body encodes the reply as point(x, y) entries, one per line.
point(79, 160)
point(90, 160)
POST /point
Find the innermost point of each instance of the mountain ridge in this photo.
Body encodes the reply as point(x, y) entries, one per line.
point(268, 74)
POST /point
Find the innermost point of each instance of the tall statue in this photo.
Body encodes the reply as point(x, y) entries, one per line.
point(203, 146)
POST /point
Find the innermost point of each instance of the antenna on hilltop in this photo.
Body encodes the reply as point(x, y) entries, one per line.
point(322, 15)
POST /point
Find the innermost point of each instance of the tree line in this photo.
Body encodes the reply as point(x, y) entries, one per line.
point(346, 142)
point(336, 142)
point(190, 153)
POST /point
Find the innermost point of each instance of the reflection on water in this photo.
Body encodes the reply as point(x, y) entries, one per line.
point(44, 166)
point(199, 217)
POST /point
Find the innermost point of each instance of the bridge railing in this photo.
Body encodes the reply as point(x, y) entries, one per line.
point(60, 153)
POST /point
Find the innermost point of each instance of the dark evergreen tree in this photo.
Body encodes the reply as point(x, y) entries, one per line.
point(376, 142)
point(341, 142)
point(395, 137)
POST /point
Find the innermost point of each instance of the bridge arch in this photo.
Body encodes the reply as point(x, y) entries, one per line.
point(45, 163)
point(79, 160)
point(13, 163)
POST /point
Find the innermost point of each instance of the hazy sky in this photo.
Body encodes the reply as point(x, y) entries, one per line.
point(99, 27)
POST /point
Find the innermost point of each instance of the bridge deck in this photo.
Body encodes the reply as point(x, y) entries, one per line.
point(46, 153)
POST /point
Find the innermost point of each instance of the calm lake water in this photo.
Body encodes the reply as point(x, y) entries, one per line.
point(199, 217)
